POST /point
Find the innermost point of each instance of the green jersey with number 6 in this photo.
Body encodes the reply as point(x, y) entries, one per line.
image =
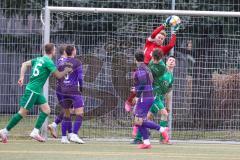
point(42, 67)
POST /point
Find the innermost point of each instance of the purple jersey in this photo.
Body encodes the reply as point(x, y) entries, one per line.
point(143, 85)
point(71, 82)
point(143, 82)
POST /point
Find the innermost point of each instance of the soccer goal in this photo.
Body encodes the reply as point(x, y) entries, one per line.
point(206, 99)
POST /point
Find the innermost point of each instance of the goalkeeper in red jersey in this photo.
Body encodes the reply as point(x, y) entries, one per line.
point(155, 41)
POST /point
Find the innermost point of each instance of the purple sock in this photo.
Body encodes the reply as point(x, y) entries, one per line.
point(144, 132)
point(65, 123)
point(69, 125)
point(151, 125)
point(77, 124)
point(59, 118)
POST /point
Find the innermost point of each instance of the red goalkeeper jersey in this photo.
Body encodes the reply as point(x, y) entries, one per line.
point(150, 46)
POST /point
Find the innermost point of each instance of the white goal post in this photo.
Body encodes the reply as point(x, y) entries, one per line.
point(145, 11)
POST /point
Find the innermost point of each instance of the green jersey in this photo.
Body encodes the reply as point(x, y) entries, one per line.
point(164, 83)
point(157, 70)
point(42, 67)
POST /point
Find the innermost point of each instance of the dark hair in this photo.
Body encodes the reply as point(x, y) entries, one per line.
point(139, 57)
point(157, 54)
point(62, 48)
point(69, 49)
point(49, 48)
point(172, 56)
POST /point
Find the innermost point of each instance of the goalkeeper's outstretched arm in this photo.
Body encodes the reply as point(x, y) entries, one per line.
point(161, 27)
point(166, 49)
point(156, 31)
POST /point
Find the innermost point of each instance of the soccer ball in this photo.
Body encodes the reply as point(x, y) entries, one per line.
point(175, 20)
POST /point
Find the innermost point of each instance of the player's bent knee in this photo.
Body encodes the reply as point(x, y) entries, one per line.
point(79, 111)
point(23, 112)
point(48, 111)
point(45, 108)
point(138, 121)
point(81, 114)
point(150, 116)
point(164, 112)
point(164, 117)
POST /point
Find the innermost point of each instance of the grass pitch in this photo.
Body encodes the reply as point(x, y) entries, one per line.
point(96, 150)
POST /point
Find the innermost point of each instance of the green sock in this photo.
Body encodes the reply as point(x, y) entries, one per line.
point(138, 136)
point(41, 118)
point(13, 121)
point(163, 124)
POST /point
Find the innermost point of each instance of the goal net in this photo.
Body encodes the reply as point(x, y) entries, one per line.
point(205, 103)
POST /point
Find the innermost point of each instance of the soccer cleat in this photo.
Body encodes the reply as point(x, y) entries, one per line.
point(4, 136)
point(144, 146)
point(76, 139)
point(69, 135)
point(37, 137)
point(165, 134)
point(64, 140)
point(52, 130)
point(136, 141)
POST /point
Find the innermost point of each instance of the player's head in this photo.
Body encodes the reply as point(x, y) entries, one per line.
point(160, 37)
point(50, 49)
point(139, 57)
point(62, 49)
point(171, 62)
point(70, 50)
point(157, 55)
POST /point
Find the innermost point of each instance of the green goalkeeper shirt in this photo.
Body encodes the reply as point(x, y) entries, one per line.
point(42, 67)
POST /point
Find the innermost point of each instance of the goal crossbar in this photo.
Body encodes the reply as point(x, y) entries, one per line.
point(144, 11)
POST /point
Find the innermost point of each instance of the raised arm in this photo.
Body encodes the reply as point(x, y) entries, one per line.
point(166, 49)
point(23, 70)
point(160, 28)
point(155, 32)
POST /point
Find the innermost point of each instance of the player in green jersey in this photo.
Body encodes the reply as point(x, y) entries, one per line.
point(42, 67)
point(162, 88)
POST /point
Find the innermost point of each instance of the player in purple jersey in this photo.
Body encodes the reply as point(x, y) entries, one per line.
point(53, 126)
point(144, 99)
point(70, 89)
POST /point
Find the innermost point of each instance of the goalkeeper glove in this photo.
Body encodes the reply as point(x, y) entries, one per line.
point(175, 29)
point(167, 22)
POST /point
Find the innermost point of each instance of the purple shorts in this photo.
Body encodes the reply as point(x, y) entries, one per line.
point(143, 106)
point(70, 100)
